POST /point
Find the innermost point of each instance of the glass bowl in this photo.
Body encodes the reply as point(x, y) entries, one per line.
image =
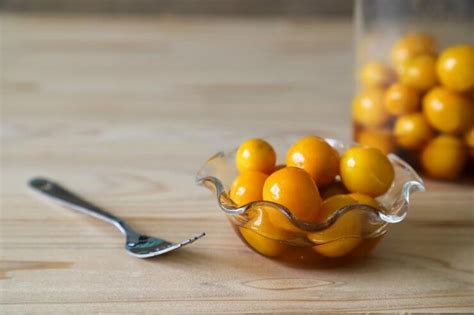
point(350, 232)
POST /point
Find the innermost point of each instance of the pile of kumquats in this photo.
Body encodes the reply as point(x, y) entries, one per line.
point(314, 183)
point(421, 106)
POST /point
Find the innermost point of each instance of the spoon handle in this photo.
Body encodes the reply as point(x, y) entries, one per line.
point(65, 198)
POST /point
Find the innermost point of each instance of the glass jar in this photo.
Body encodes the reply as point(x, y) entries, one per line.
point(415, 82)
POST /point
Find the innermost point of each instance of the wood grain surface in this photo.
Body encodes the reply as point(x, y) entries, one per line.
point(124, 110)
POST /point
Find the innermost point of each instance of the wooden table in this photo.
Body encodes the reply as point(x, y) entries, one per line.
point(126, 109)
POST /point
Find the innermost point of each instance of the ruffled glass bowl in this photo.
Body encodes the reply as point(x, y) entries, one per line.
point(350, 232)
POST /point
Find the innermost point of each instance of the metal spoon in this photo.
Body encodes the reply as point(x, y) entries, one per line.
point(138, 245)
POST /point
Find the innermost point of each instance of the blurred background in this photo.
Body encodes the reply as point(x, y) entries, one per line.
point(235, 68)
point(152, 88)
point(225, 7)
point(247, 66)
point(172, 58)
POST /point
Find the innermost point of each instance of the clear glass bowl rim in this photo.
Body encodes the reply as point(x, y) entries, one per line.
point(394, 213)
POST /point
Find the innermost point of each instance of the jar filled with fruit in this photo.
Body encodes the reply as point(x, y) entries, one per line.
point(415, 83)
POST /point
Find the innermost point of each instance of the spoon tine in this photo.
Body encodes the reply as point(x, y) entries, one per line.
point(191, 240)
point(168, 248)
